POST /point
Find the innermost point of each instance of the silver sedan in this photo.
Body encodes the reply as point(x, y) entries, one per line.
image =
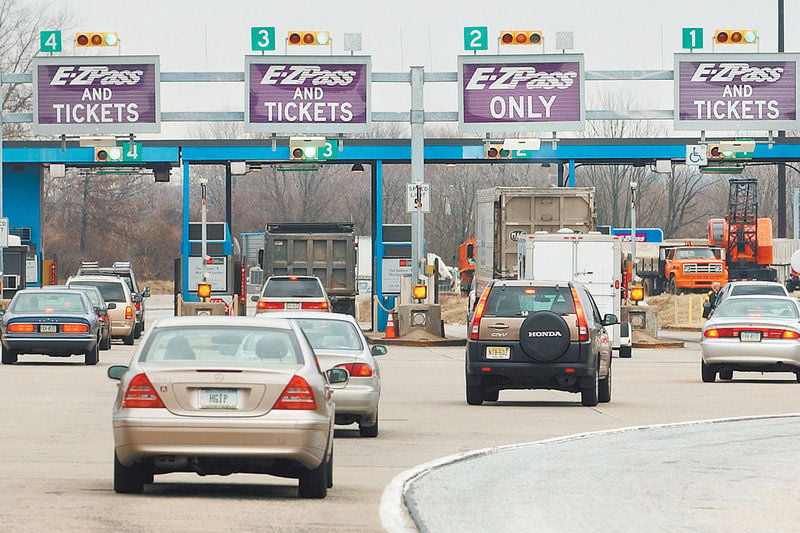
point(752, 334)
point(339, 343)
point(192, 400)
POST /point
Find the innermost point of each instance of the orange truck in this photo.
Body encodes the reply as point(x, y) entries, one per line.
point(685, 268)
point(466, 264)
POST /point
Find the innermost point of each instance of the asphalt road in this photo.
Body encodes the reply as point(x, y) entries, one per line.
point(56, 441)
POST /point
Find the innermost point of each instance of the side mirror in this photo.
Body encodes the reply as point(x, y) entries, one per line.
point(333, 299)
point(146, 292)
point(117, 371)
point(610, 319)
point(2, 312)
point(111, 305)
point(337, 376)
point(378, 349)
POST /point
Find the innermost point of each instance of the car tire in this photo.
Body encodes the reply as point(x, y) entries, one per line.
point(368, 431)
point(625, 352)
point(128, 339)
point(490, 395)
point(604, 388)
point(128, 479)
point(708, 372)
point(137, 331)
point(314, 482)
point(105, 343)
point(541, 348)
point(589, 395)
point(92, 356)
point(726, 374)
point(474, 395)
point(9, 357)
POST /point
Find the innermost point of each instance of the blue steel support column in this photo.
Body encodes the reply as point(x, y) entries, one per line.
point(185, 246)
point(377, 245)
point(571, 172)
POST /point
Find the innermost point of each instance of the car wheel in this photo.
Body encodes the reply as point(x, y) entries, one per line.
point(9, 357)
point(604, 388)
point(474, 395)
point(137, 331)
point(625, 352)
point(369, 431)
point(589, 396)
point(330, 470)
point(726, 374)
point(491, 395)
point(798, 376)
point(544, 336)
point(708, 372)
point(92, 356)
point(105, 344)
point(314, 482)
point(128, 479)
point(128, 339)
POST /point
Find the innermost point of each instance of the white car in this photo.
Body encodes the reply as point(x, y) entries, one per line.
point(338, 342)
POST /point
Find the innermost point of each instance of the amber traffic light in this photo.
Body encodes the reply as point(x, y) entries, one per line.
point(96, 39)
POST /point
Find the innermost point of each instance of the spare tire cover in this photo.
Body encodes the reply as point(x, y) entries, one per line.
point(544, 336)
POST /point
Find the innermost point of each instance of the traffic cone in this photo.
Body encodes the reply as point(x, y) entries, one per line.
point(391, 333)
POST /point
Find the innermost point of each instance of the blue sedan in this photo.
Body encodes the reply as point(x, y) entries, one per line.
point(58, 323)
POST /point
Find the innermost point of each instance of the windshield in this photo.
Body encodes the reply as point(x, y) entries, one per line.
point(223, 344)
point(757, 307)
point(695, 253)
point(91, 292)
point(48, 302)
point(746, 290)
point(331, 334)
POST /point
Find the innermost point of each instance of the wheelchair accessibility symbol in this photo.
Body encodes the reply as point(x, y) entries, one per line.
point(696, 154)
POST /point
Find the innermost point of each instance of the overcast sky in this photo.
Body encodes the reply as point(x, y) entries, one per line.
point(214, 35)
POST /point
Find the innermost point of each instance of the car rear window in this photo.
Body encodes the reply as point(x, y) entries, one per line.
point(292, 288)
point(111, 291)
point(49, 302)
point(510, 301)
point(757, 307)
point(331, 334)
point(89, 291)
point(746, 290)
point(223, 344)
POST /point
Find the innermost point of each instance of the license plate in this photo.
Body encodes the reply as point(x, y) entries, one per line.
point(498, 352)
point(48, 328)
point(293, 305)
point(750, 336)
point(219, 398)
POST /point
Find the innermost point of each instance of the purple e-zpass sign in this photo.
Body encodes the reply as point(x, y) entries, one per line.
point(732, 91)
point(89, 95)
point(294, 94)
point(521, 93)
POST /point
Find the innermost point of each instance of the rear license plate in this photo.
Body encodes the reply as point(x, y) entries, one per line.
point(750, 336)
point(498, 352)
point(219, 398)
point(48, 328)
point(293, 305)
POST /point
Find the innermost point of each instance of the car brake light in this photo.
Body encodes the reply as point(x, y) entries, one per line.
point(75, 328)
point(479, 310)
point(314, 305)
point(270, 305)
point(292, 278)
point(128, 312)
point(103, 318)
point(359, 370)
point(711, 333)
point(138, 305)
point(21, 328)
point(789, 334)
point(297, 395)
point(141, 393)
point(769, 333)
point(583, 327)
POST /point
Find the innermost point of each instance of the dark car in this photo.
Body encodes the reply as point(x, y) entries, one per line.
point(57, 322)
point(123, 269)
point(528, 334)
point(101, 307)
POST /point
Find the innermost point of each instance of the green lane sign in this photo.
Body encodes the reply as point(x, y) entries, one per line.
point(330, 150)
point(49, 41)
point(476, 38)
point(692, 38)
point(262, 39)
point(131, 154)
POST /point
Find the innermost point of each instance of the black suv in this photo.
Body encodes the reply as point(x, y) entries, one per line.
point(528, 334)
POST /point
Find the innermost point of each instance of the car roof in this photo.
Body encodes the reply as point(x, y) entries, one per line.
point(292, 276)
point(762, 297)
point(94, 277)
point(539, 282)
point(234, 321)
point(752, 282)
point(323, 315)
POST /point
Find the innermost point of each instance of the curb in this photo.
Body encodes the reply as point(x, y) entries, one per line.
point(665, 344)
point(377, 338)
point(684, 328)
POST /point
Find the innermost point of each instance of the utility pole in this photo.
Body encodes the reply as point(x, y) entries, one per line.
point(781, 135)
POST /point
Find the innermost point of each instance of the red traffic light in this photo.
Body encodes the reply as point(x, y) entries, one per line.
point(722, 37)
point(492, 152)
point(294, 38)
point(297, 153)
point(96, 39)
point(82, 40)
point(506, 38)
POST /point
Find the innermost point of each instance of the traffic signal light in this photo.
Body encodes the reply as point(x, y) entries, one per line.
point(731, 149)
point(496, 151)
point(97, 39)
point(107, 154)
point(521, 37)
point(735, 37)
point(301, 148)
point(309, 38)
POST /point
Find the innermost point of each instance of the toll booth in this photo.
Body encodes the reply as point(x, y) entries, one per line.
point(15, 267)
point(396, 263)
point(222, 266)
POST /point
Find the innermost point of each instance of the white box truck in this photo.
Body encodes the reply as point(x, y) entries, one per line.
point(593, 259)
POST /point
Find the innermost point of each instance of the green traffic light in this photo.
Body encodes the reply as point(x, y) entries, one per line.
point(750, 36)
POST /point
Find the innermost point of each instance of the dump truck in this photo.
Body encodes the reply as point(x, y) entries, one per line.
point(324, 250)
point(683, 268)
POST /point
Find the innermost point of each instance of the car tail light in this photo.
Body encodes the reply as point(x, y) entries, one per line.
point(103, 318)
point(297, 395)
point(770, 333)
point(138, 305)
point(270, 305)
point(141, 393)
point(21, 328)
point(476, 318)
point(128, 312)
point(583, 327)
point(359, 370)
point(315, 305)
point(789, 334)
point(75, 328)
